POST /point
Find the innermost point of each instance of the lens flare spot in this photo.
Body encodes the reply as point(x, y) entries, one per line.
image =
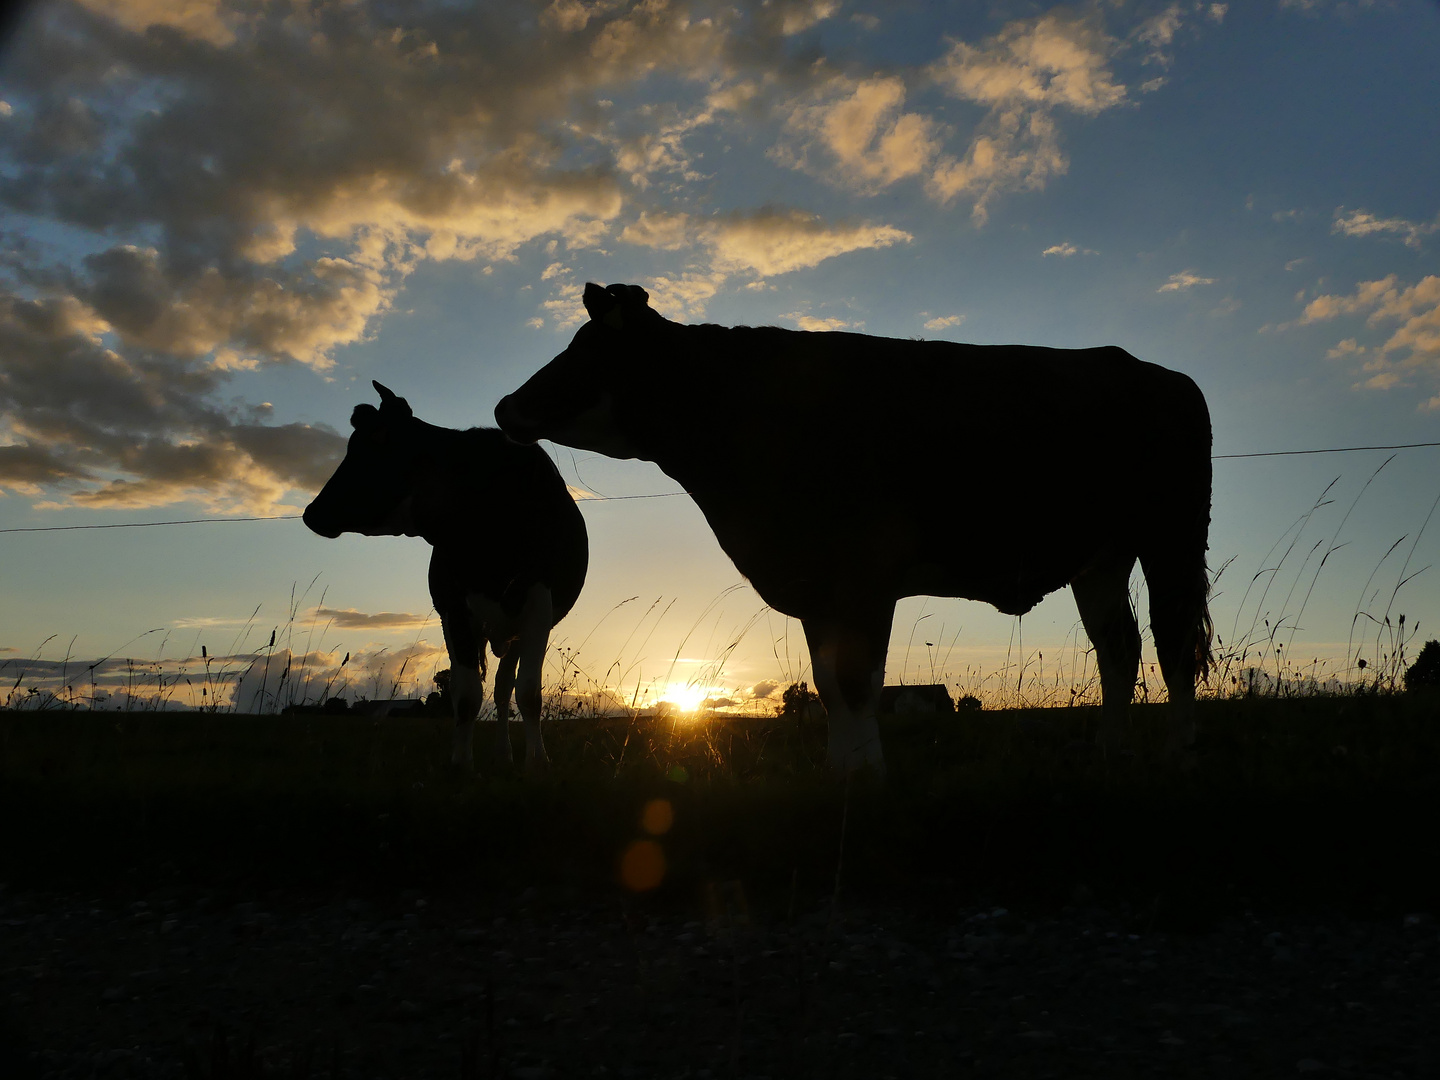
point(642, 867)
point(659, 815)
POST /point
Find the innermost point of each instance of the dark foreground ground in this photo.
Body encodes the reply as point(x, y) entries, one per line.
point(172, 982)
point(236, 898)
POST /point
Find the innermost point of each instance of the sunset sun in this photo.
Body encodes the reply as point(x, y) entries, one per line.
point(687, 697)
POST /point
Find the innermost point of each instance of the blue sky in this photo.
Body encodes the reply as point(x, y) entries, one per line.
point(221, 221)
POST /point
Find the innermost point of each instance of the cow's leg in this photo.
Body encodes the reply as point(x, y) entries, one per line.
point(467, 691)
point(467, 684)
point(536, 620)
point(847, 656)
point(1102, 593)
point(466, 648)
point(1181, 624)
point(504, 685)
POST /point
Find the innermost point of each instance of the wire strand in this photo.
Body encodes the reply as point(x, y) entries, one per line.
point(148, 524)
point(657, 494)
point(1329, 450)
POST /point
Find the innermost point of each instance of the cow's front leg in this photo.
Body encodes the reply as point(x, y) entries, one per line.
point(847, 656)
point(467, 661)
point(467, 691)
point(504, 685)
point(536, 619)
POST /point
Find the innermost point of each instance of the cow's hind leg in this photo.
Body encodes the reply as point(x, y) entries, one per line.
point(847, 656)
point(1102, 593)
point(1180, 621)
point(504, 686)
point(536, 619)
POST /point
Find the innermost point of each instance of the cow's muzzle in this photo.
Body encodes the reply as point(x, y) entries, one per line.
point(316, 523)
point(513, 422)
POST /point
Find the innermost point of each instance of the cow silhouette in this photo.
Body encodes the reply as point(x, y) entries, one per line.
point(510, 549)
point(842, 472)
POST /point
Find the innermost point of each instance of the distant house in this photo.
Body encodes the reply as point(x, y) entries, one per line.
point(927, 698)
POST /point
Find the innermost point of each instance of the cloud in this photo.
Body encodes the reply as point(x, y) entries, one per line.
point(1066, 249)
point(226, 188)
point(684, 296)
point(668, 232)
point(761, 243)
point(1185, 279)
point(1053, 61)
point(112, 429)
point(770, 242)
point(764, 689)
point(766, 242)
point(1364, 223)
point(859, 133)
point(817, 323)
point(1368, 294)
point(202, 19)
point(943, 322)
point(1412, 349)
point(1023, 76)
point(223, 187)
point(350, 619)
point(860, 126)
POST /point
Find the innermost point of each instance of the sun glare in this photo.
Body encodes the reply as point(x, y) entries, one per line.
point(686, 697)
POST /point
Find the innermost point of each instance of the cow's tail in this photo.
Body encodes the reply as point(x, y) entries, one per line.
point(1180, 581)
point(1195, 485)
point(1204, 633)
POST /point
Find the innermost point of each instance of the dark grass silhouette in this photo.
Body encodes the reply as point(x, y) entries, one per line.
point(843, 498)
point(1316, 800)
point(510, 549)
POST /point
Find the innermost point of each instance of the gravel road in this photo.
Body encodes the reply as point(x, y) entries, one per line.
point(182, 982)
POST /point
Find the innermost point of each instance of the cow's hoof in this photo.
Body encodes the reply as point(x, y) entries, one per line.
point(537, 768)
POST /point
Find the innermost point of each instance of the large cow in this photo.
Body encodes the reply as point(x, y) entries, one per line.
point(842, 471)
point(510, 549)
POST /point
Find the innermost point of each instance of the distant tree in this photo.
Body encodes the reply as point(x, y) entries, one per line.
point(969, 703)
point(799, 702)
point(1424, 674)
point(437, 702)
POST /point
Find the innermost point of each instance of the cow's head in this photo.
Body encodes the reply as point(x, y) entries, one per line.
point(370, 492)
point(577, 398)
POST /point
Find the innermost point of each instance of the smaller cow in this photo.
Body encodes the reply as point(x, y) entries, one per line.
point(492, 579)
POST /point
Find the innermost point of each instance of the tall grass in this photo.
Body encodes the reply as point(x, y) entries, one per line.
point(1259, 649)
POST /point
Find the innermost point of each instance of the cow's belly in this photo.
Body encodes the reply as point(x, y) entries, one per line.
point(1013, 591)
point(1013, 578)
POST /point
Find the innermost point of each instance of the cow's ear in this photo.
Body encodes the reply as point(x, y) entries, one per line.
point(390, 402)
point(598, 301)
point(364, 416)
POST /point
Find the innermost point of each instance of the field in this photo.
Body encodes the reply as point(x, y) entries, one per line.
point(1286, 797)
point(321, 895)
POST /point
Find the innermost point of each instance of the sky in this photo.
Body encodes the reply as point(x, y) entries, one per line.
point(222, 220)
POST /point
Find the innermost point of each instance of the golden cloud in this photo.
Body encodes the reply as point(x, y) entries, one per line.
point(1412, 348)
